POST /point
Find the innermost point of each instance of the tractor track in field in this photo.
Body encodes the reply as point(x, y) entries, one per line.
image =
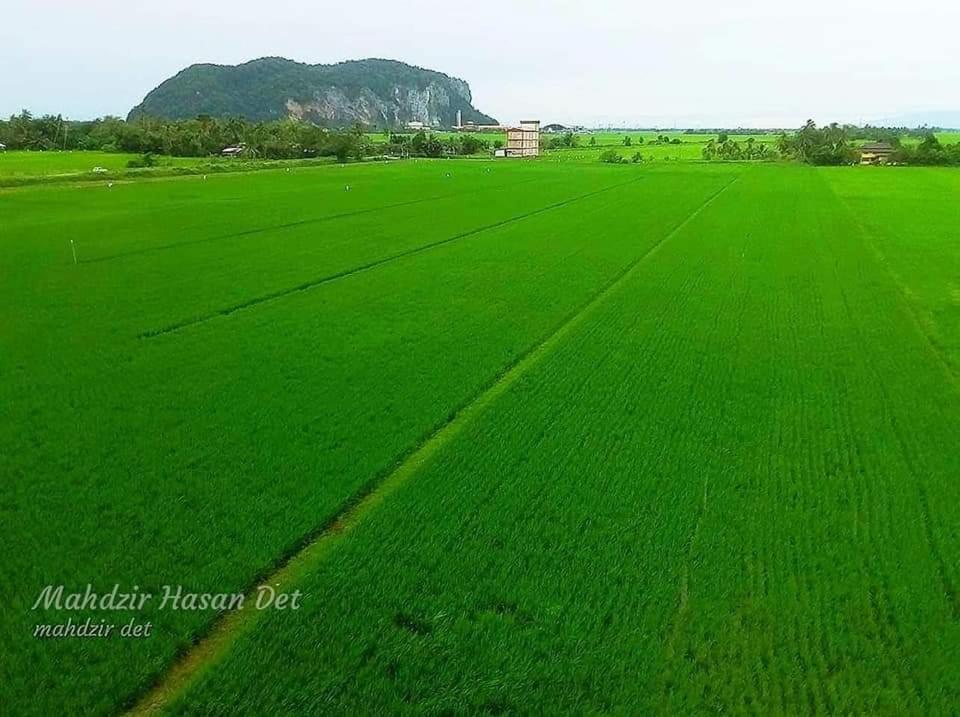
point(920, 322)
point(917, 472)
point(913, 460)
point(224, 632)
point(298, 223)
point(328, 278)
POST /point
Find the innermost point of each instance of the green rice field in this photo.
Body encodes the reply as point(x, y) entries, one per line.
point(31, 164)
point(527, 437)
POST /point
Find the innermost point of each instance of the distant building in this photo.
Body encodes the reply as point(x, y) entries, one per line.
point(3, 147)
point(236, 151)
point(524, 141)
point(474, 127)
point(557, 128)
point(416, 126)
point(876, 153)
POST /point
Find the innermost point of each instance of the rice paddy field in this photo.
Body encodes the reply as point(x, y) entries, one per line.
point(690, 145)
point(528, 437)
point(32, 164)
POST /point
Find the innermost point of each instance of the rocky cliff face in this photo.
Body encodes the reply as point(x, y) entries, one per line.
point(331, 105)
point(385, 93)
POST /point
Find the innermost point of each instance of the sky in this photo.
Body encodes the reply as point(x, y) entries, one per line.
point(614, 63)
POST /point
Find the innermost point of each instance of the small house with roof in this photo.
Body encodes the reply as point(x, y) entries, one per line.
point(876, 153)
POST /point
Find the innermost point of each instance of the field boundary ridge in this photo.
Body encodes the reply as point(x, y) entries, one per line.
point(336, 276)
point(299, 223)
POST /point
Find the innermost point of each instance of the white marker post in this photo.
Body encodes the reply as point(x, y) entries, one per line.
point(73, 248)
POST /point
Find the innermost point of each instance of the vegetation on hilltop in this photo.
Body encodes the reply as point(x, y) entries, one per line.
point(377, 92)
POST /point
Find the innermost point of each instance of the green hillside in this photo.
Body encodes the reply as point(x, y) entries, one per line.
point(385, 93)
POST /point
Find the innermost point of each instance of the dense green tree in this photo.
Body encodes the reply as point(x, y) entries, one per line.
point(929, 151)
point(208, 136)
point(731, 150)
point(818, 145)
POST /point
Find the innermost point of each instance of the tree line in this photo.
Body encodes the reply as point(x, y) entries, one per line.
point(424, 144)
point(206, 136)
point(723, 147)
point(836, 144)
point(930, 151)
